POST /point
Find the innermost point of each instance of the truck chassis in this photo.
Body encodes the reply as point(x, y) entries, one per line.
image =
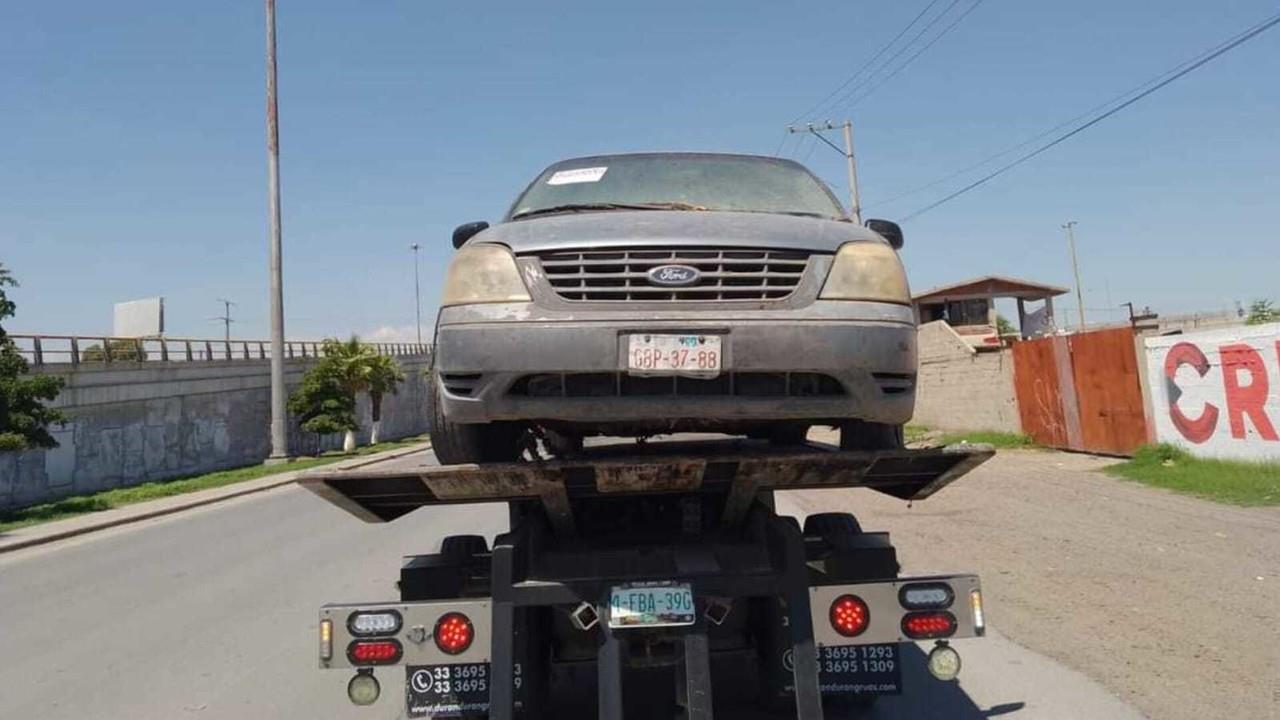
point(811, 616)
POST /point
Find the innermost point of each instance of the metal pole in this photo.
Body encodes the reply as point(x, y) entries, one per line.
point(417, 298)
point(279, 438)
point(1075, 267)
point(855, 207)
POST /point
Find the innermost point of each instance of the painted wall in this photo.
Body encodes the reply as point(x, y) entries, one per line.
point(132, 423)
point(959, 388)
point(1217, 392)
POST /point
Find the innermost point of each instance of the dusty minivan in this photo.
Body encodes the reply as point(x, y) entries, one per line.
point(648, 293)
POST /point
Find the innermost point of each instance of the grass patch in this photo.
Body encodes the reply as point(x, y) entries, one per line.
point(914, 433)
point(1000, 440)
point(108, 499)
point(1227, 481)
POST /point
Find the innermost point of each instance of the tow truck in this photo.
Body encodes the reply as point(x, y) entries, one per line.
point(650, 579)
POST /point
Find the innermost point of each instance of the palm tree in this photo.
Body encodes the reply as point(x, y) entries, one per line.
point(384, 376)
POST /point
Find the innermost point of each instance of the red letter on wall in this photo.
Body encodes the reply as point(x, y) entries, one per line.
point(1199, 429)
point(1250, 399)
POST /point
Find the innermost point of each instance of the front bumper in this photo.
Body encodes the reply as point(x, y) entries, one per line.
point(485, 355)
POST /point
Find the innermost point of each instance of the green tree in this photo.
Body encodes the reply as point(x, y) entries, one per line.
point(121, 351)
point(1004, 327)
point(384, 377)
point(1262, 312)
point(24, 419)
point(326, 400)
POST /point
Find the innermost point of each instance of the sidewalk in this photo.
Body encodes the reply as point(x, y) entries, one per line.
point(91, 522)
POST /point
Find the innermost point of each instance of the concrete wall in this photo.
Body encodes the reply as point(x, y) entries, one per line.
point(959, 388)
point(1217, 392)
point(132, 423)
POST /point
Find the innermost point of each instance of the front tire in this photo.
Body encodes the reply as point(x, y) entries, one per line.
point(458, 444)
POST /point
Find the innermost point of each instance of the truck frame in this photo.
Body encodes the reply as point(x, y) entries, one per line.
point(650, 565)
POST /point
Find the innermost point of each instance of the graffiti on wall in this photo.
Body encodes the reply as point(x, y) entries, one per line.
point(1217, 393)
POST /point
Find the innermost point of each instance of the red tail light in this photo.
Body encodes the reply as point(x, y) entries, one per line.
point(928, 625)
point(849, 615)
point(454, 633)
point(374, 652)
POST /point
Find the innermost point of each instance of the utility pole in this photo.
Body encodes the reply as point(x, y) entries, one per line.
point(279, 434)
point(225, 317)
point(855, 201)
point(1075, 267)
point(417, 297)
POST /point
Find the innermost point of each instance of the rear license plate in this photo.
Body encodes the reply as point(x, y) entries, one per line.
point(689, 355)
point(442, 691)
point(651, 605)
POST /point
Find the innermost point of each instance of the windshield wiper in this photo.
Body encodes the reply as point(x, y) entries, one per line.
point(588, 207)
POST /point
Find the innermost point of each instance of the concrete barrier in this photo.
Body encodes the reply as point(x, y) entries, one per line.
point(132, 423)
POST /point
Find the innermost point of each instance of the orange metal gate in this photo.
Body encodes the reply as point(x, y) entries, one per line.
point(1082, 391)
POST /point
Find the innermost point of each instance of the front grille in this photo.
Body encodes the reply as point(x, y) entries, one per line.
point(622, 274)
point(736, 384)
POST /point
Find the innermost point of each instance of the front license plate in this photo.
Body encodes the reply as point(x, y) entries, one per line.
point(689, 355)
point(442, 691)
point(651, 605)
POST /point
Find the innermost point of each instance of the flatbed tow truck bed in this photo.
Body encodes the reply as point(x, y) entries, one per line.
point(640, 560)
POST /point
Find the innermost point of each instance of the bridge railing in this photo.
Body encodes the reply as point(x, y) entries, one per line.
point(42, 349)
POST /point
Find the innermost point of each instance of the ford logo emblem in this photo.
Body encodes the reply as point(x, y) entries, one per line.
point(674, 275)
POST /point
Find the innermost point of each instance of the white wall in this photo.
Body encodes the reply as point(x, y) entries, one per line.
point(959, 388)
point(1217, 392)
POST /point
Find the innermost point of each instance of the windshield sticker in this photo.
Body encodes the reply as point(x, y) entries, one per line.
point(577, 175)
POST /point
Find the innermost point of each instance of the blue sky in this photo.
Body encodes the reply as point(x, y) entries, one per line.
point(132, 160)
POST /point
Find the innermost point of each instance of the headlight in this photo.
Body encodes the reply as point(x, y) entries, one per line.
point(483, 274)
point(867, 271)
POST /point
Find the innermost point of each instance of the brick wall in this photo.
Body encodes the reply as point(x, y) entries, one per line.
point(959, 388)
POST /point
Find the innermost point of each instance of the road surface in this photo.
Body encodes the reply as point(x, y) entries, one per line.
point(211, 615)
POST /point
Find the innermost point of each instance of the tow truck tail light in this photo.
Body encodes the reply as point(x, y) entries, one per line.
point(926, 596)
point(929, 625)
point(453, 633)
point(326, 639)
point(979, 618)
point(849, 615)
point(381, 622)
point(374, 652)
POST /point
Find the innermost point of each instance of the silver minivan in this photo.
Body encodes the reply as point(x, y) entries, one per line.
point(649, 293)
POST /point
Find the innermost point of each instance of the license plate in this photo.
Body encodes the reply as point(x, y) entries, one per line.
point(689, 355)
point(444, 691)
point(651, 605)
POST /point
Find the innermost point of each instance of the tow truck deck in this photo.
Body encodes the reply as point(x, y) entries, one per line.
point(656, 557)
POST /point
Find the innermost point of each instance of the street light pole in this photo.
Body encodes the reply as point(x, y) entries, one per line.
point(279, 434)
point(1075, 267)
point(417, 297)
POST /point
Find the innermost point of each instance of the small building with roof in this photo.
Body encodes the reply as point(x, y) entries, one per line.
point(969, 307)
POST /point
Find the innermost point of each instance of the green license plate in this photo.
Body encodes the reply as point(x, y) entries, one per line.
point(658, 604)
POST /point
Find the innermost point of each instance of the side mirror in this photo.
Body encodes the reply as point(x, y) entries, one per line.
point(466, 231)
point(886, 229)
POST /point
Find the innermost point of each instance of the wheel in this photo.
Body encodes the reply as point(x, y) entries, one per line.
point(863, 435)
point(458, 444)
point(461, 548)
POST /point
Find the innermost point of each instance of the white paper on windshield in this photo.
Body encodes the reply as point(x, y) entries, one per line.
point(577, 175)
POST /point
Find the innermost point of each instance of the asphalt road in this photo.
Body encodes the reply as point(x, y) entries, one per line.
point(210, 614)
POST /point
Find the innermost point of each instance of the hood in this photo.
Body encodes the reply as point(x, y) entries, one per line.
point(621, 228)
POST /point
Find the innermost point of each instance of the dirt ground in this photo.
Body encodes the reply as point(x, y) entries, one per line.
point(1172, 603)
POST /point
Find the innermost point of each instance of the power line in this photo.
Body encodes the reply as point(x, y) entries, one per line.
point(918, 53)
point(1087, 113)
point(868, 63)
point(1249, 34)
point(844, 99)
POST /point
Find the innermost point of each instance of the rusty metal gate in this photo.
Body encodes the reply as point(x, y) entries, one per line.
point(1082, 391)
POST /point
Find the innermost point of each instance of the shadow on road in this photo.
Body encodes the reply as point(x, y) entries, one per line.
point(925, 698)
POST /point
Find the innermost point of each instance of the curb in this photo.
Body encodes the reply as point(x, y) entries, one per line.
point(232, 493)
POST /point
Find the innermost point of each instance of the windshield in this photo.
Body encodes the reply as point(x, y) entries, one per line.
point(679, 182)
